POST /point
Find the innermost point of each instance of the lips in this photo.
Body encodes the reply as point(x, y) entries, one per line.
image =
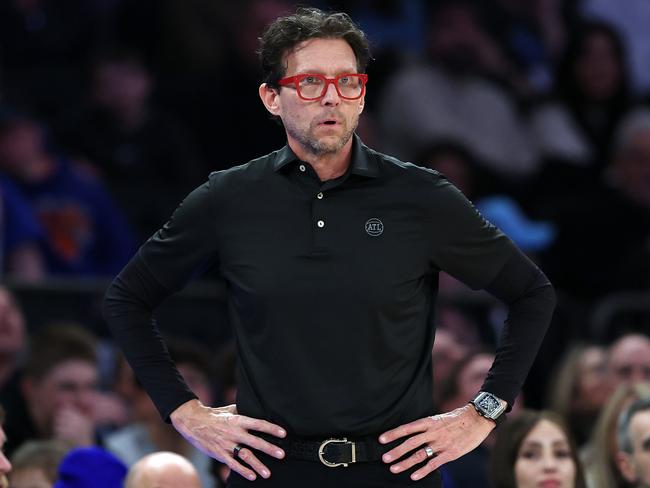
point(549, 483)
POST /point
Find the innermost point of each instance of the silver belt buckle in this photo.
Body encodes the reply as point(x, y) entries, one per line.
point(321, 452)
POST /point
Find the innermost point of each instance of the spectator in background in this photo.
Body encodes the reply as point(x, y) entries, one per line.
point(449, 95)
point(90, 466)
point(21, 235)
point(632, 22)
point(36, 463)
point(162, 470)
point(534, 449)
point(13, 343)
point(575, 131)
point(85, 234)
point(532, 33)
point(600, 454)
point(130, 140)
point(608, 224)
point(633, 458)
point(5, 465)
point(629, 359)
point(579, 388)
point(59, 387)
point(148, 433)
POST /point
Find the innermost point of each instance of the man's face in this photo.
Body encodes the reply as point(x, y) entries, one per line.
point(629, 359)
point(324, 126)
point(636, 466)
point(70, 385)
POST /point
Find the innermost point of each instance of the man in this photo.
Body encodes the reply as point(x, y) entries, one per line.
point(5, 465)
point(629, 359)
point(633, 457)
point(162, 470)
point(59, 389)
point(331, 252)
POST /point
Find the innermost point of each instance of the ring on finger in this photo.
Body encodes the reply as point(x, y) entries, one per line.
point(429, 451)
point(236, 449)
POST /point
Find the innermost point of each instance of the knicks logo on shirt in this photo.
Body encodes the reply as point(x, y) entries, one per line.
point(374, 227)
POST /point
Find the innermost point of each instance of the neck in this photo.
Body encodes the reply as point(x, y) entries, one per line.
point(328, 165)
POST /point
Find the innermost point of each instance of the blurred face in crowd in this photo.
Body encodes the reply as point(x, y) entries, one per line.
point(12, 326)
point(592, 388)
point(454, 37)
point(447, 351)
point(632, 168)
point(29, 478)
point(121, 86)
point(316, 127)
point(544, 459)
point(629, 359)
point(72, 384)
point(473, 374)
point(635, 466)
point(598, 70)
point(21, 149)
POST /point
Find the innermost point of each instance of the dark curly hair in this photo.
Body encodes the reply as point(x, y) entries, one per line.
point(285, 33)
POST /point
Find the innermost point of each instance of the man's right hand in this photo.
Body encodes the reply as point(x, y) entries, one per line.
point(216, 432)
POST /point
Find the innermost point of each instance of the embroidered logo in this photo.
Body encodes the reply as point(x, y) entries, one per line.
point(374, 227)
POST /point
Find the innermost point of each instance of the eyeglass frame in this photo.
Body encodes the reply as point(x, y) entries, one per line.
point(296, 79)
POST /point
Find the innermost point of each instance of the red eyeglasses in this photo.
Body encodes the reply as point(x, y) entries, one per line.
point(349, 86)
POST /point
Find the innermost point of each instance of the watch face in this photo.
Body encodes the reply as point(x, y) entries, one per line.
point(488, 404)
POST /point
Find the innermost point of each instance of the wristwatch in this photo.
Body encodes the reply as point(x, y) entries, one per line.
point(490, 406)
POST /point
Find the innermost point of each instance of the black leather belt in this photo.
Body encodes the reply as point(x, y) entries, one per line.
point(334, 452)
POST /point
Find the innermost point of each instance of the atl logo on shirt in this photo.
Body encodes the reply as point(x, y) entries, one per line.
point(374, 227)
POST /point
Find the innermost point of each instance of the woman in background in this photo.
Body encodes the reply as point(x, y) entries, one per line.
point(534, 449)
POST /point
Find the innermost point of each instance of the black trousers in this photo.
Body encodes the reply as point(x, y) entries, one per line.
point(294, 473)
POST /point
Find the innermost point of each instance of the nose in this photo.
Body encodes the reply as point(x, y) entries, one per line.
point(549, 463)
point(331, 97)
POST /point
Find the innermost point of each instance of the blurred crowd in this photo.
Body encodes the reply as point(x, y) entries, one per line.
point(538, 110)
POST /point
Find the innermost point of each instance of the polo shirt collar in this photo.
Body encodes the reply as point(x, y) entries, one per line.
point(362, 162)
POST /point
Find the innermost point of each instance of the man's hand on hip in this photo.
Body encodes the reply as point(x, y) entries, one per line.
point(216, 432)
point(449, 435)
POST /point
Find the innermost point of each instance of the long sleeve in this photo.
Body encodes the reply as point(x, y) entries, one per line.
point(531, 300)
point(128, 309)
point(178, 252)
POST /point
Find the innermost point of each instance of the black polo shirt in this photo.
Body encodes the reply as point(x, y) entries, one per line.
point(331, 285)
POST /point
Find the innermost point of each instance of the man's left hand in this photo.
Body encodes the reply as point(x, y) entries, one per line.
point(450, 435)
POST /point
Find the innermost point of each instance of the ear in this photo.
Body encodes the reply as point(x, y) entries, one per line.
point(362, 104)
point(270, 98)
point(625, 466)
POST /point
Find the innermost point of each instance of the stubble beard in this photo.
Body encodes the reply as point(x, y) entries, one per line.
point(317, 147)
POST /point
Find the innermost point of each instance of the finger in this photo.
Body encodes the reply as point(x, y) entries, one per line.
point(260, 425)
point(403, 430)
point(235, 465)
point(418, 457)
point(431, 466)
point(247, 456)
point(407, 446)
point(262, 445)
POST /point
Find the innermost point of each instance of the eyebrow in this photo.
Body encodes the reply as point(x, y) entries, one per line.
point(321, 72)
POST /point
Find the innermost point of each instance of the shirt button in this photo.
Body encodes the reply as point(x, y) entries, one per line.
point(302, 168)
point(320, 195)
point(320, 224)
